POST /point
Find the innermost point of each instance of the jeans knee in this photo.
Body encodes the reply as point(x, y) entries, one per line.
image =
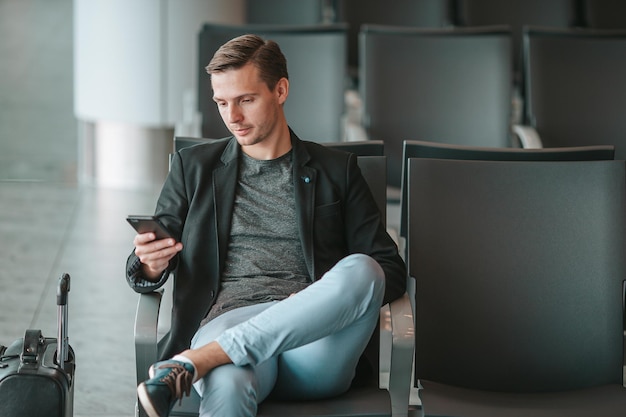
point(365, 274)
point(229, 391)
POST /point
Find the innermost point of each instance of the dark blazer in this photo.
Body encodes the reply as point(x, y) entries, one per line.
point(336, 212)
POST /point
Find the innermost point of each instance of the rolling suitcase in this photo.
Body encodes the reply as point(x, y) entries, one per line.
point(37, 372)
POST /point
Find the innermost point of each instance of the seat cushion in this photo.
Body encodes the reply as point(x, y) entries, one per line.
point(362, 402)
point(359, 401)
point(445, 400)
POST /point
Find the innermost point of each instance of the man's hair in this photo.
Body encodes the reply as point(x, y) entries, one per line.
point(264, 54)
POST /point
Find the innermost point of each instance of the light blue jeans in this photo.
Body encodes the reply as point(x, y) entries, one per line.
point(304, 347)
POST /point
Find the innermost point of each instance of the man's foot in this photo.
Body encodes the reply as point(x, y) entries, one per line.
point(169, 380)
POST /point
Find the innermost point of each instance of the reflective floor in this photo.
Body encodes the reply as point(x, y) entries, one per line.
point(48, 229)
point(48, 225)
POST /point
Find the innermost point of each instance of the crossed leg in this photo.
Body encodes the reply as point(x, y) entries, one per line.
point(304, 347)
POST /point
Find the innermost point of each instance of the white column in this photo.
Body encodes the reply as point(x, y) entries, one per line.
point(134, 64)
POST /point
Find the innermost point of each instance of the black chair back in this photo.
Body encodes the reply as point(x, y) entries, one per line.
point(575, 90)
point(604, 14)
point(415, 13)
point(421, 149)
point(285, 12)
point(449, 86)
point(519, 270)
point(316, 60)
point(517, 14)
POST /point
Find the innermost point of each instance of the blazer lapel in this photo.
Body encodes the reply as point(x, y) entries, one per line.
point(304, 178)
point(224, 185)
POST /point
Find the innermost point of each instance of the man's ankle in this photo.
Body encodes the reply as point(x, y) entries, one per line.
point(182, 358)
point(206, 358)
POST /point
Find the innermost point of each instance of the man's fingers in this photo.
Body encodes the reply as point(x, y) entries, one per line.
point(143, 238)
point(165, 248)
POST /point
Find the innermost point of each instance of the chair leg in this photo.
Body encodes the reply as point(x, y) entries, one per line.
point(139, 411)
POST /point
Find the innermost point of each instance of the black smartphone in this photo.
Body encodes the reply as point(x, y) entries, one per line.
point(145, 224)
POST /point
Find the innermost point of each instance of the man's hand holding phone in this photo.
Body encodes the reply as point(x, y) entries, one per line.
point(154, 245)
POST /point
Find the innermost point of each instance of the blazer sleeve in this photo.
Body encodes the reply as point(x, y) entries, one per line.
point(171, 210)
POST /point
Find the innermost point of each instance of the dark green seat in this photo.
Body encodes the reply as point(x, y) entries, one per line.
point(519, 271)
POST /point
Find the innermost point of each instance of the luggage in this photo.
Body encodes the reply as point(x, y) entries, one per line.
point(37, 372)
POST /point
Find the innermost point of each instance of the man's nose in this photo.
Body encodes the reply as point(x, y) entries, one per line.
point(234, 114)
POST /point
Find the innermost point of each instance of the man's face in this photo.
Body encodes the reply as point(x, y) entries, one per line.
point(249, 109)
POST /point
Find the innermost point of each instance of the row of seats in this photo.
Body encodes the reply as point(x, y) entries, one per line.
point(445, 85)
point(454, 86)
point(515, 260)
point(603, 14)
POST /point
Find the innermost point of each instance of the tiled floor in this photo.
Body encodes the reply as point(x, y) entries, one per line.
point(48, 225)
point(48, 229)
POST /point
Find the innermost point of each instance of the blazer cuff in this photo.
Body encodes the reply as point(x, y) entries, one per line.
point(139, 283)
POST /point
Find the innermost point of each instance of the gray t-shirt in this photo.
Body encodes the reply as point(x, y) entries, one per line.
point(265, 261)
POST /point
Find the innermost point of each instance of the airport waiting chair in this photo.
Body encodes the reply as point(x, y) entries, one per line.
point(432, 150)
point(441, 85)
point(364, 149)
point(519, 270)
point(360, 148)
point(575, 89)
point(517, 14)
point(286, 12)
point(369, 153)
point(422, 149)
point(414, 13)
point(366, 398)
point(316, 59)
point(604, 14)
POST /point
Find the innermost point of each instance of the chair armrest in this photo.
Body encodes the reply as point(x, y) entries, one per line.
point(146, 320)
point(402, 347)
point(527, 136)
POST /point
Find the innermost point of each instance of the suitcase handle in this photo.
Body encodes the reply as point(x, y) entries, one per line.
point(62, 340)
point(30, 351)
point(63, 289)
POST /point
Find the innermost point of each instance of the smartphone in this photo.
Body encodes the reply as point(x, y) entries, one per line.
point(146, 224)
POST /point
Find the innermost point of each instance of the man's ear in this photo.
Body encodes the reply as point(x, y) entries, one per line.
point(282, 90)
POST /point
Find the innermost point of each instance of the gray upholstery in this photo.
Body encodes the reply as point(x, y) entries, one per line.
point(604, 14)
point(519, 270)
point(361, 148)
point(448, 86)
point(285, 12)
point(575, 90)
point(416, 13)
point(421, 149)
point(369, 153)
point(517, 14)
point(316, 59)
point(366, 398)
